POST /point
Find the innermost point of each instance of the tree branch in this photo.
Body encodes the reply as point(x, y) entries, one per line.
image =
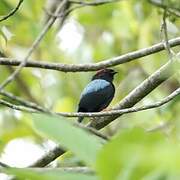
point(93, 66)
point(12, 12)
point(94, 3)
point(84, 170)
point(147, 86)
point(21, 101)
point(164, 28)
point(48, 157)
point(136, 95)
point(4, 165)
point(34, 46)
point(81, 4)
point(174, 11)
point(33, 108)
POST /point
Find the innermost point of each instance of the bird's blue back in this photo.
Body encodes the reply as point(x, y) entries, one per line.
point(94, 86)
point(96, 96)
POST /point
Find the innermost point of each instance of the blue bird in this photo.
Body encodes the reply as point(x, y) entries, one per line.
point(98, 94)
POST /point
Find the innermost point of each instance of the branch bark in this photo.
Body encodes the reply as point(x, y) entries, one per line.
point(147, 86)
point(11, 13)
point(33, 108)
point(35, 44)
point(93, 66)
point(135, 96)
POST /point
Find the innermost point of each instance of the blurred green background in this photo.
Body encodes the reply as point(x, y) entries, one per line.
point(92, 34)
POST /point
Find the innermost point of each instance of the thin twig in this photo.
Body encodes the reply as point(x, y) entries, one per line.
point(20, 81)
point(57, 151)
point(93, 131)
point(81, 4)
point(48, 157)
point(17, 107)
point(93, 66)
point(94, 3)
point(147, 86)
point(21, 101)
point(173, 11)
point(34, 109)
point(160, 127)
point(12, 12)
point(135, 96)
point(4, 165)
point(33, 47)
point(84, 170)
point(164, 29)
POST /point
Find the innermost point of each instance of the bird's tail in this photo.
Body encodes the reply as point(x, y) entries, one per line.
point(80, 109)
point(80, 119)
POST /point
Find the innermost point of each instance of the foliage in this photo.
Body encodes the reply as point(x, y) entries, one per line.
point(100, 32)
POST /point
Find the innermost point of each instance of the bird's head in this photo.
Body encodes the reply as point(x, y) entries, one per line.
point(106, 74)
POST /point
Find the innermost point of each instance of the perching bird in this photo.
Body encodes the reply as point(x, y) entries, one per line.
point(98, 94)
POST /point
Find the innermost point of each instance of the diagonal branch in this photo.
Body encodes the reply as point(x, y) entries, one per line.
point(93, 66)
point(171, 10)
point(80, 169)
point(164, 29)
point(147, 86)
point(33, 108)
point(80, 4)
point(57, 151)
point(135, 96)
point(12, 12)
point(94, 3)
point(48, 157)
point(34, 46)
point(4, 165)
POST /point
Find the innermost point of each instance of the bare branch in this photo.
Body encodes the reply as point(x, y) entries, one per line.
point(94, 3)
point(93, 66)
point(57, 151)
point(84, 170)
point(21, 101)
point(163, 126)
point(173, 11)
point(164, 28)
point(138, 93)
point(16, 107)
point(81, 4)
point(92, 130)
point(135, 96)
point(12, 12)
point(4, 165)
point(34, 46)
point(48, 157)
point(33, 108)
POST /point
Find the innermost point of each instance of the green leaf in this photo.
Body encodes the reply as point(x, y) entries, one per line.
point(31, 174)
point(80, 142)
point(134, 154)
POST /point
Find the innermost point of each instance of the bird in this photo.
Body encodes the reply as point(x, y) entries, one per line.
point(98, 94)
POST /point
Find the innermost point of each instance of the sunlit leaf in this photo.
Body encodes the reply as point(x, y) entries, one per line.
point(137, 153)
point(84, 145)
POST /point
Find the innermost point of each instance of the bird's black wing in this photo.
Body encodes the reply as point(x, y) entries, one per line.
point(96, 96)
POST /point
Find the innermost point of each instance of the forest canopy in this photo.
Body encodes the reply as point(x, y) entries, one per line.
point(49, 51)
